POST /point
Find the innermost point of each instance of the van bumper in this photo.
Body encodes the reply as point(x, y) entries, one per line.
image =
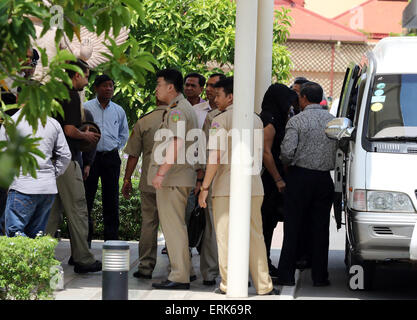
point(381, 236)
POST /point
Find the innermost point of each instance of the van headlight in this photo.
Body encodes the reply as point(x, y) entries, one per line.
point(389, 201)
point(381, 201)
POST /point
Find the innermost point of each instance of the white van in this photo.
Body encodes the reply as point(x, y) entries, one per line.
point(376, 163)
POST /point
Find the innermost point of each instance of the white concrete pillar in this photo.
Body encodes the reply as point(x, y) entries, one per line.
point(241, 179)
point(264, 50)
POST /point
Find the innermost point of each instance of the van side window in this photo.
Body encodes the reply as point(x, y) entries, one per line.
point(347, 104)
point(353, 100)
point(361, 84)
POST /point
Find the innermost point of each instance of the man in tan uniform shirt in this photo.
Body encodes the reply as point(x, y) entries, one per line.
point(218, 171)
point(173, 176)
point(209, 265)
point(141, 141)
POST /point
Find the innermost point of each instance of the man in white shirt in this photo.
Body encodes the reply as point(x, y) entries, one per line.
point(204, 108)
point(29, 199)
point(193, 87)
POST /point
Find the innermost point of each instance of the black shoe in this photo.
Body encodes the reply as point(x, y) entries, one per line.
point(285, 283)
point(171, 285)
point(324, 283)
point(94, 267)
point(164, 250)
point(209, 282)
point(303, 264)
point(273, 292)
point(219, 291)
point(138, 274)
point(193, 278)
point(71, 261)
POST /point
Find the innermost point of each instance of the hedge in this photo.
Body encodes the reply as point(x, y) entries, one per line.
point(27, 268)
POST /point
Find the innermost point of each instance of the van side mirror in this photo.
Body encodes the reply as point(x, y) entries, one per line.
point(339, 128)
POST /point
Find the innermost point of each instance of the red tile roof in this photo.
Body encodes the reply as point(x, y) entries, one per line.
point(307, 25)
point(380, 18)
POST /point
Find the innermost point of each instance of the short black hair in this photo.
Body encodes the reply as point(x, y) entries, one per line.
point(201, 78)
point(220, 75)
point(172, 76)
point(226, 84)
point(80, 63)
point(102, 78)
point(35, 55)
point(312, 91)
point(300, 80)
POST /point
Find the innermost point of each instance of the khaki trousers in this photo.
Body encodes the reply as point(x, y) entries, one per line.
point(171, 203)
point(148, 242)
point(258, 263)
point(209, 265)
point(71, 201)
point(209, 262)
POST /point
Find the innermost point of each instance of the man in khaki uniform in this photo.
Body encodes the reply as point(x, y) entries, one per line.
point(173, 176)
point(141, 141)
point(209, 264)
point(218, 169)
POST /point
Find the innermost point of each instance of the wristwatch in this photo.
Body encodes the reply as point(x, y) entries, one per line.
point(200, 180)
point(204, 189)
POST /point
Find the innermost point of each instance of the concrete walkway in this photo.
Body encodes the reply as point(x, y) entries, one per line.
point(88, 286)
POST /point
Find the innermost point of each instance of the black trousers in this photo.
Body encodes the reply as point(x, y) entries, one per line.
point(309, 195)
point(272, 212)
point(106, 166)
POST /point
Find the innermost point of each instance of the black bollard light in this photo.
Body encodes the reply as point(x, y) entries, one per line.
point(115, 270)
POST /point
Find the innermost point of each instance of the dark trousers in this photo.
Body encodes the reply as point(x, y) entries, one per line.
point(106, 166)
point(309, 194)
point(272, 212)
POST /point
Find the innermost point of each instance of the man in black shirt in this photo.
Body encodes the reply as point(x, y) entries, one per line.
point(71, 194)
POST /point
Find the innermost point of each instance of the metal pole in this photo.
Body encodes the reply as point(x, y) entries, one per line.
point(116, 266)
point(241, 179)
point(332, 70)
point(264, 50)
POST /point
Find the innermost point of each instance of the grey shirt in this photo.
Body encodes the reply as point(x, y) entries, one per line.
point(305, 143)
point(54, 146)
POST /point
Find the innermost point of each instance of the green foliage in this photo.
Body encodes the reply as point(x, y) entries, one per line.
point(25, 267)
point(39, 99)
point(281, 62)
point(192, 36)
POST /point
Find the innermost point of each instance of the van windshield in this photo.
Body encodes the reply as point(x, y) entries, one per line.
point(393, 107)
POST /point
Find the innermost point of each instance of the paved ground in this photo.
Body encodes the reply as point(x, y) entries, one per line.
point(88, 287)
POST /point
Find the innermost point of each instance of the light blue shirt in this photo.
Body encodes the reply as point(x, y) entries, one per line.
point(112, 123)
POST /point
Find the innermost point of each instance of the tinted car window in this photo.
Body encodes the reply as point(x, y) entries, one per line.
point(393, 106)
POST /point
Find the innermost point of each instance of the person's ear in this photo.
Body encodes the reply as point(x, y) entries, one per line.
point(230, 96)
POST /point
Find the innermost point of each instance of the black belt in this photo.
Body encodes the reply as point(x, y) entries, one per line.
point(103, 153)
